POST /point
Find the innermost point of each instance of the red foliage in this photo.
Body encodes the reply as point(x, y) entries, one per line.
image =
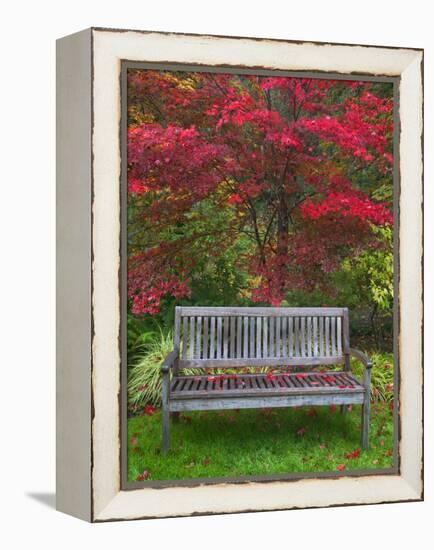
point(248, 142)
point(353, 454)
point(149, 410)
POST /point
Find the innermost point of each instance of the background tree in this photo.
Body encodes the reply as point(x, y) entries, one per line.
point(248, 189)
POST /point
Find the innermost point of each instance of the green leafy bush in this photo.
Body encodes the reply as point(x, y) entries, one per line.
point(381, 375)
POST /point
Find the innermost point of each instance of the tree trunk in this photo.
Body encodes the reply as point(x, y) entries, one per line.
point(282, 238)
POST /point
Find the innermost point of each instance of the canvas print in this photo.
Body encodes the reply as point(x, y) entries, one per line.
point(260, 274)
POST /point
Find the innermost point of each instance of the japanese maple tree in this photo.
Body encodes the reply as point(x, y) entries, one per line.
point(277, 161)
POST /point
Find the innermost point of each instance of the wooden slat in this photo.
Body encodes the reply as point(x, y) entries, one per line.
point(219, 338)
point(246, 337)
point(333, 335)
point(176, 338)
point(262, 362)
point(291, 337)
point(346, 331)
point(198, 338)
point(256, 384)
point(321, 336)
point(309, 345)
point(205, 337)
point(315, 336)
point(226, 321)
point(327, 337)
point(191, 347)
point(303, 336)
point(284, 336)
point(184, 337)
point(252, 337)
point(232, 333)
point(271, 352)
point(212, 339)
point(278, 344)
point(296, 337)
point(258, 337)
point(265, 337)
point(261, 311)
point(239, 335)
point(339, 335)
point(312, 398)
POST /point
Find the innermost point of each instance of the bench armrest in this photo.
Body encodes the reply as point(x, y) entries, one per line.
point(361, 357)
point(168, 363)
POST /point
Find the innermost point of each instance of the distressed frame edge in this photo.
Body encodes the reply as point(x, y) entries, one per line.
point(414, 492)
point(73, 274)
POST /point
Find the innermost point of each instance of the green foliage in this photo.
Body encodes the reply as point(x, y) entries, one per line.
point(371, 272)
point(382, 377)
point(144, 378)
point(259, 442)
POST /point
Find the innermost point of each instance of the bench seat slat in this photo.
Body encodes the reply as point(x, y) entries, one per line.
point(193, 387)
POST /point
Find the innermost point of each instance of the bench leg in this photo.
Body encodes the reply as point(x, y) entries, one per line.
point(365, 423)
point(175, 416)
point(166, 429)
point(366, 408)
point(165, 414)
point(344, 409)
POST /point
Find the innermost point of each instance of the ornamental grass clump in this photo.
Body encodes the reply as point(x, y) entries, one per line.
point(144, 377)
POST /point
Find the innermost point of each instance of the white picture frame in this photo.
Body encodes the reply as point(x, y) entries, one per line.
point(89, 479)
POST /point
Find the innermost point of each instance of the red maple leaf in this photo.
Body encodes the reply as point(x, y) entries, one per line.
point(353, 454)
point(144, 475)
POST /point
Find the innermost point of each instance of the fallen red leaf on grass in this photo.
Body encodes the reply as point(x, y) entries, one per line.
point(134, 441)
point(353, 454)
point(322, 446)
point(341, 467)
point(332, 408)
point(149, 410)
point(301, 431)
point(144, 475)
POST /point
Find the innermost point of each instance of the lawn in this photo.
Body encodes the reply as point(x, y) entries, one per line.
point(258, 442)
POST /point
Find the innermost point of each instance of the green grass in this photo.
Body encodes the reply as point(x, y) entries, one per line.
point(258, 442)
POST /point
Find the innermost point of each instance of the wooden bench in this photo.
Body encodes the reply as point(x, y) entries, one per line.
point(208, 338)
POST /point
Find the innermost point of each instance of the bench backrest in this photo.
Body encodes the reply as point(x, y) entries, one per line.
point(260, 336)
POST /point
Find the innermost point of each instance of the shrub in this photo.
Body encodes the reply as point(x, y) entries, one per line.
point(144, 376)
point(381, 375)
